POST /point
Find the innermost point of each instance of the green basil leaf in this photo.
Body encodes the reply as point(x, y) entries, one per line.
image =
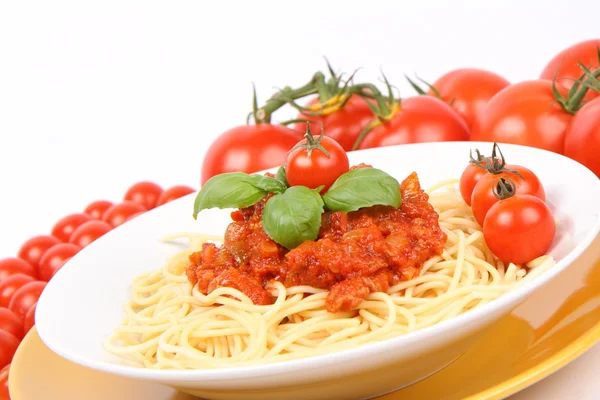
point(228, 190)
point(267, 183)
point(293, 217)
point(281, 176)
point(363, 187)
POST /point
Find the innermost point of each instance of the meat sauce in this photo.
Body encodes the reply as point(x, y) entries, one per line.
point(355, 254)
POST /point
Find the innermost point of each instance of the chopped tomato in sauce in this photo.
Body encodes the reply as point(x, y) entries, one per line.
point(356, 253)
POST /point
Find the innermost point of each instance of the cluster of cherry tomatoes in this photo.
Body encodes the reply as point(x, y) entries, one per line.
point(23, 278)
point(558, 111)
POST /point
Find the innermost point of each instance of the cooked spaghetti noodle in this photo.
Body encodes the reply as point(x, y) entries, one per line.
point(170, 325)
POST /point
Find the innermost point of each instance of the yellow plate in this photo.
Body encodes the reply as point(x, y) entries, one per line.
point(548, 330)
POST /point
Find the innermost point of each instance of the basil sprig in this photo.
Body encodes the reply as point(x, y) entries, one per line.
point(363, 187)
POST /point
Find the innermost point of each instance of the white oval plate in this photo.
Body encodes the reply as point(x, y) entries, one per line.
point(83, 303)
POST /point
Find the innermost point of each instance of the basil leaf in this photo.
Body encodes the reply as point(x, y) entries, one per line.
point(281, 176)
point(228, 190)
point(293, 217)
point(267, 183)
point(363, 187)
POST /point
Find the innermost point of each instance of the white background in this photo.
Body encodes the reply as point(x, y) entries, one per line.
point(97, 95)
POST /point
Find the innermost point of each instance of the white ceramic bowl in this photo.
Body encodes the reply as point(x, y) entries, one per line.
point(84, 302)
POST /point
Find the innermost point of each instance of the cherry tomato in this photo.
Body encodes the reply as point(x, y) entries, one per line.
point(11, 323)
point(11, 266)
point(29, 320)
point(119, 213)
point(420, 119)
point(249, 148)
point(8, 347)
point(582, 141)
point(145, 194)
point(4, 383)
point(88, 232)
point(309, 164)
point(174, 193)
point(483, 197)
point(134, 215)
point(519, 229)
point(97, 208)
point(10, 285)
point(565, 65)
point(33, 249)
point(25, 297)
point(469, 90)
point(344, 125)
point(469, 178)
point(525, 113)
point(63, 229)
point(55, 258)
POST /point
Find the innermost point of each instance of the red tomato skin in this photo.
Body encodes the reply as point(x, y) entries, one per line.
point(582, 142)
point(55, 258)
point(482, 198)
point(29, 320)
point(173, 193)
point(33, 249)
point(97, 208)
point(525, 113)
point(469, 178)
point(469, 90)
point(88, 232)
point(319, 169)
point(25, 297)
point(63, 229)
point(144, 193)
point(11, 323)
point(343, 125)
point(8, 347)
point(565, 65)
point(249, 148)
point(420, 119)
point(519, 229)
point(118, 214)
point(4, 383)
point(12, 266)
point(10, 285)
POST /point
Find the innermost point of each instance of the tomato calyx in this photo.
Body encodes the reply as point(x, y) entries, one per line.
point(480, 160)
point(504, 188)
point(423, 92)
point(311, 143)
point(496, 164)
point(574, 99)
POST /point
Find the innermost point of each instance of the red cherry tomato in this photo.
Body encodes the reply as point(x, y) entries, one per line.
point(10, 285)
point(8, 347)
point(469, 178)
point(145, 194)
point(249, 148)
point(88, 232)
point(343, 125)
point(11, 323)
point(29, 320)
point(33, 249)
point(420, 119)
point(582, 141)
point(525, 113)
point(482, 198)
point(565, 65)
point(25, 297)
point(119, 213)
point(55, 258)
point(308, 165)
point(64, 228)
point(12, 266)
point(519, 229)
point(174, 193)
point(135, 215)
point(97, 208)
point(469, 90)
point(4, 383)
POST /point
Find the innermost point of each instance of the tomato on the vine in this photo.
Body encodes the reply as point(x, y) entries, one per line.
point(25, 297)
point(582, 140)
point(565, 65)
point(118, 214)
point(4, 395)
point(63, 229)
point(419, 119)
point(97, 208)
point(29, 320)
point(343, 124)
point(33, 249)
point(519, 229)
point(8, 347)
point(11, 323)
point(470, 176)
point(12, 266)
point(173, 193)
point(249, 148)
point(55, 258)
point(144, 193)
point(88, 232)
point(468, 90)
point(316, 162)
point(10, 285)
